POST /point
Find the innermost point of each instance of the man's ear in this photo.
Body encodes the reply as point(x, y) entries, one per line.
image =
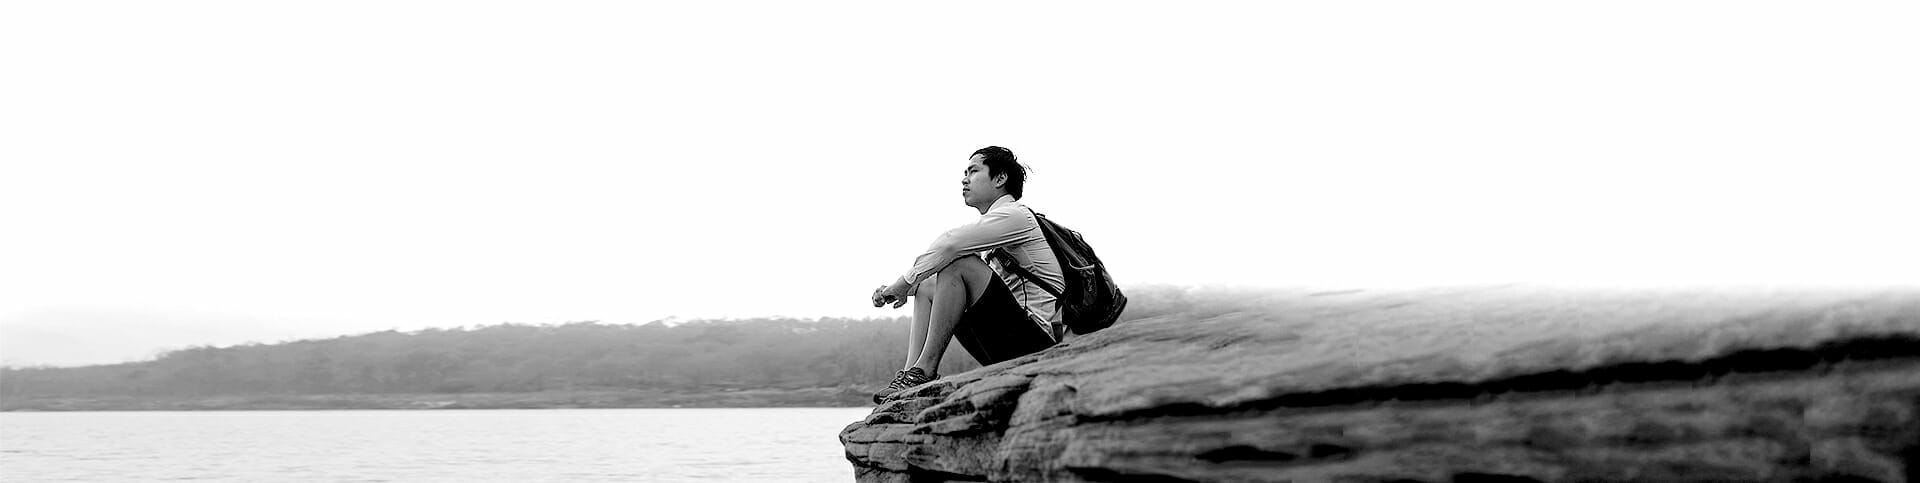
point(1000, 182)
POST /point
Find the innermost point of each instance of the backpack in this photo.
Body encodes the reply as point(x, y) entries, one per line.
point(1091, 301)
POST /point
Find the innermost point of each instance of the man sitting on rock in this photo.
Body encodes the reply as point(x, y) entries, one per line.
point(962, 287)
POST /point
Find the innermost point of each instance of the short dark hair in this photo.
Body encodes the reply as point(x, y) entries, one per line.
point(1001, 161)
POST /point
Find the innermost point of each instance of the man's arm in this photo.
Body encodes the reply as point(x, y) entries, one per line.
point(895, 294)
point(994, 229)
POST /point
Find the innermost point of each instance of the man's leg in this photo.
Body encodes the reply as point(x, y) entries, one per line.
point(958, 285)
point(917, 329)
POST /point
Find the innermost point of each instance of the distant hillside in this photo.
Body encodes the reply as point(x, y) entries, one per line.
point(699, 357)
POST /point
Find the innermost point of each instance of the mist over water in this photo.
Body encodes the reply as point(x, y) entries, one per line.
point(771, 445)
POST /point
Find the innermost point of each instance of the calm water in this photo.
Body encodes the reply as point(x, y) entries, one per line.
point(783, 444)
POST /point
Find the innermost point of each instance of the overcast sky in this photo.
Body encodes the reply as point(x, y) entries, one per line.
point(181, 173)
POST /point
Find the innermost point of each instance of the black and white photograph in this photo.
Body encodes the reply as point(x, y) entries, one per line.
point(898, 242)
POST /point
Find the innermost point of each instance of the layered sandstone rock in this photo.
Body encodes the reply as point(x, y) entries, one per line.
point(1466, 384)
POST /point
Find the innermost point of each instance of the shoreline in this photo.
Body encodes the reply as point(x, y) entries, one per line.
point(841, 396)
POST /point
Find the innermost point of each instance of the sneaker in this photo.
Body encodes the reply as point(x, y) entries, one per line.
point(910, 377)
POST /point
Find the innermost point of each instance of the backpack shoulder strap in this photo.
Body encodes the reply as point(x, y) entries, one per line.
point(1007, 261)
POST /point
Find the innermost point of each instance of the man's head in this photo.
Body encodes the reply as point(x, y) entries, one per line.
point(992, 171)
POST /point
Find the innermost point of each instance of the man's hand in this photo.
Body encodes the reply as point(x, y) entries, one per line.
point(890, 294)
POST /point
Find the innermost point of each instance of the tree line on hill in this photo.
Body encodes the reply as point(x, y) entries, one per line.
point(752, 353)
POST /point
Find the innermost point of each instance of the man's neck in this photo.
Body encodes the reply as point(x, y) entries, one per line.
point(988, 205)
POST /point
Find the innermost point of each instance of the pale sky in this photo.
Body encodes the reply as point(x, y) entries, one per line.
point(183, 173)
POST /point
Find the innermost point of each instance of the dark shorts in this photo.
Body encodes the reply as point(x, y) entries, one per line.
point(995, 328)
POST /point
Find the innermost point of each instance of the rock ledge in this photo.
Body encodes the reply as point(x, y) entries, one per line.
point(1457, 384)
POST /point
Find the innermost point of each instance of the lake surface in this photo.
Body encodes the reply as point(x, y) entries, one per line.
point(769, 444)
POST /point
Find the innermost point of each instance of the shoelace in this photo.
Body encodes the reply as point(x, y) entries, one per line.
point(906, 379)
point(900, 381)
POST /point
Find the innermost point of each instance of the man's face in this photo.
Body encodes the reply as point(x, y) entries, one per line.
point(977, 187)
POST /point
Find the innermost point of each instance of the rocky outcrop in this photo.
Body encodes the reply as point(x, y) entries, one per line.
point(1460, 384)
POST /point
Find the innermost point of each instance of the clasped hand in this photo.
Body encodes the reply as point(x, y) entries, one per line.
point(884, 295)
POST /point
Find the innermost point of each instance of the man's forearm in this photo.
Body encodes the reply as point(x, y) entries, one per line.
point(900, 287)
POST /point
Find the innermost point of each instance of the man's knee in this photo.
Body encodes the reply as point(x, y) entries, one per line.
point(965, 269)
point(966, 275)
